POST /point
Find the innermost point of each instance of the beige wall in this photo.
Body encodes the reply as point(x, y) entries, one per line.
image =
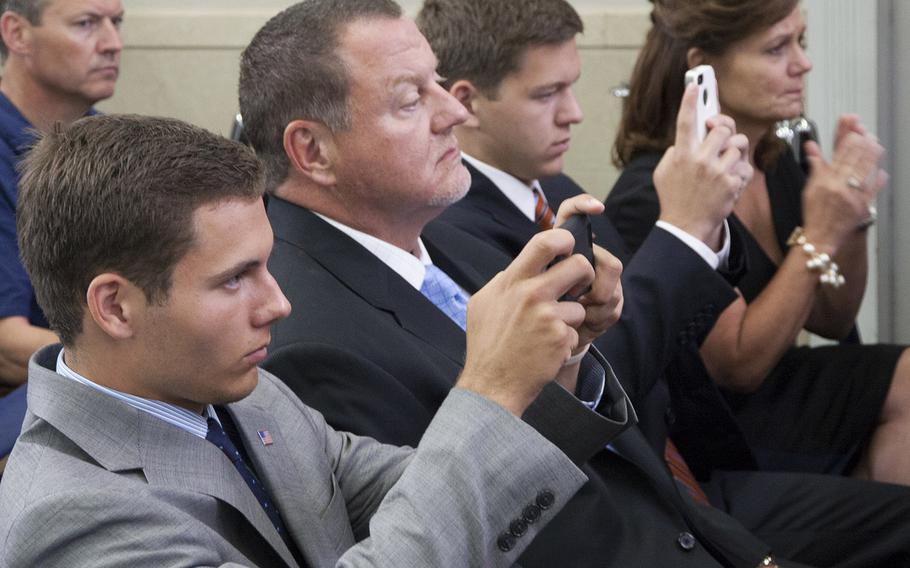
point(181, 60)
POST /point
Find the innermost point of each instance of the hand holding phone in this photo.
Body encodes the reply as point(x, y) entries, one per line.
point(580, 227)
point(708, 104)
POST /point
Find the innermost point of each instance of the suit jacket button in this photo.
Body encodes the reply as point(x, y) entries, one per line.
point(545, 499)
point(505, 542)
point(531, 514)
point(686, 541)
point(670, 416)
point(518, 527)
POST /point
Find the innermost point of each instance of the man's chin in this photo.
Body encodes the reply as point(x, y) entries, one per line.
point(242, 388)
point(99, 93)
point(455, 188)
point(550, 168)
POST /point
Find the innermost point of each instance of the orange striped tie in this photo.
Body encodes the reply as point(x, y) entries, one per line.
point(683, 474)
point(543, 215)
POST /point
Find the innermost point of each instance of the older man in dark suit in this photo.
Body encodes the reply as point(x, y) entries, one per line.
point(358, 168)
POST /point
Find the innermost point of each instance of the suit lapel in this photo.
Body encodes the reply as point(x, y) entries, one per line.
point(486, 196)
point(176, 459)
point(368, 277)
point(288, 485)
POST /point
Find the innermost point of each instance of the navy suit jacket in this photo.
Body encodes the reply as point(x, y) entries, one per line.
point(663, 321)
point(377, 358)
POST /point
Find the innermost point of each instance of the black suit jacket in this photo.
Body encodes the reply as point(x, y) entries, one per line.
point(377, 358)
point(672, 299)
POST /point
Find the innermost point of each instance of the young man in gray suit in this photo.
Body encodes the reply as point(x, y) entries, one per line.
point(152, 438)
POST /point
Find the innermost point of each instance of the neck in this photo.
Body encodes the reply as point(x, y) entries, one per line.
point(40, 106)
point(398, 226)
point(474, 144)
point(754, 131)
point(100, 369)
point(470, 145)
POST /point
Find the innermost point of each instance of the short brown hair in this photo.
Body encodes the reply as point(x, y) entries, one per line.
point(117, 194)
point(292, 70)
point(657, 83)
point(31, 10)
point(483, 41)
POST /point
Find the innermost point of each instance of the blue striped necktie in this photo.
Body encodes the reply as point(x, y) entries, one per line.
point(445, 295)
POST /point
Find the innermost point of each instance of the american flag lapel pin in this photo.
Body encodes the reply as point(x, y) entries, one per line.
point(265, 437)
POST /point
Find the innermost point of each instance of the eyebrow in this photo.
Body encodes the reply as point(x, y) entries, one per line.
point(96, 14)
point(413, 78)
point(555, 85)
point(787, 35)
point(238, 268)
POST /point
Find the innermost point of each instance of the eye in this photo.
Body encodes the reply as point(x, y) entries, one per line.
point(776, 50)
point(117, 21)
point(234, 282)
point(86, 23)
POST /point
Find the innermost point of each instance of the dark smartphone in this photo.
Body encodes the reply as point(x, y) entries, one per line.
point(796, 133)
point(580, 227)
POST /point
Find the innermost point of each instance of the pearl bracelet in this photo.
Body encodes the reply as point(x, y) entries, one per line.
point(829, 271)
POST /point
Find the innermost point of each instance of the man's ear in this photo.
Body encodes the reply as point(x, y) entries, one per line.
point(695, 57)
point(114, 304)
point(468, 95)
point(310, 147)
point(16, 32)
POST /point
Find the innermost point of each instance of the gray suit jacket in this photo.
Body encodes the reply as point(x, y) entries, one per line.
point(94, 482)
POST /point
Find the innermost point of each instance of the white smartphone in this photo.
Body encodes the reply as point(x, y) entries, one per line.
point(708, 105)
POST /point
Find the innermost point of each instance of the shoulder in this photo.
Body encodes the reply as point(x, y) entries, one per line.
point(459, 244)
point(638, 174)
point(50, 481)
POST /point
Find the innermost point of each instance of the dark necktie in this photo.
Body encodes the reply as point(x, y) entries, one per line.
point(543, 215)
point(217, 436)
point(682, 474)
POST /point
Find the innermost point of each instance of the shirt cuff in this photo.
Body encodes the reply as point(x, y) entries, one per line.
point(592, 379)
point(715, 260)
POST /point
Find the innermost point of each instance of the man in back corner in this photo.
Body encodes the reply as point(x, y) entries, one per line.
point(60, 58)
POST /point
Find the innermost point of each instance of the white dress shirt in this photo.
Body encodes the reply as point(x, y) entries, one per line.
point(402, 262)
point(195, 424)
